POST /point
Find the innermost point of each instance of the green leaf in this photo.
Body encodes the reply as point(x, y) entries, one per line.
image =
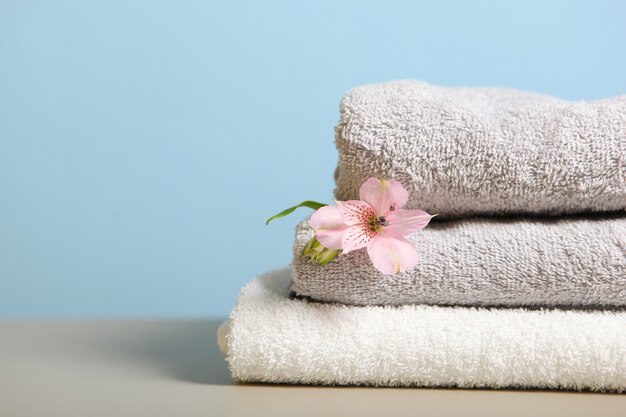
point(310, 204)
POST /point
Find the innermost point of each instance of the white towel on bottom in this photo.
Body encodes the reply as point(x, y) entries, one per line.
point(277, 339)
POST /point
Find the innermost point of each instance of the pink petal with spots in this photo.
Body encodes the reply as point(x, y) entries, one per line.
point(382, 195)
point(357, 237)
point(391, 253)
point(355, 212)
point(329, 226)
point(404, 222)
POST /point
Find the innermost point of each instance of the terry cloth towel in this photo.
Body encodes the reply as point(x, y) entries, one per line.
point(465, 151)
point(274, 338)
point(484, 262)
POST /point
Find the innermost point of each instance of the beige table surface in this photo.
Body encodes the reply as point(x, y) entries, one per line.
point(174, 368)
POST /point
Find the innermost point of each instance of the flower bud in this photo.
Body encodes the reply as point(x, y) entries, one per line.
point(317, 252)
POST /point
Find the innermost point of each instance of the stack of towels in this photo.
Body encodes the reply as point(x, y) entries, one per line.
point(522, 277)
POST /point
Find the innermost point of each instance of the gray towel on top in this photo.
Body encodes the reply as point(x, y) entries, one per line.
point(484, 262)
point(466, 151)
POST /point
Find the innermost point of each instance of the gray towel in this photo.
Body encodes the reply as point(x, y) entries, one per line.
point(464, 151)
point(483, 262)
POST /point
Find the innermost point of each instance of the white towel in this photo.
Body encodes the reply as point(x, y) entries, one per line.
point(573, 261)
point(272, 338)
point(464, 151)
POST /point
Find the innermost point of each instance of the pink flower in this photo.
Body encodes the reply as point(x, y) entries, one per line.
point(377, 222)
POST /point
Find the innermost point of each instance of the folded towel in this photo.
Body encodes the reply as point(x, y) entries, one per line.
point(273, 338)
point(464, 151)
point(488, 262)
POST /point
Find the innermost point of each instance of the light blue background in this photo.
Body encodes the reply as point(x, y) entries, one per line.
point(144, 143)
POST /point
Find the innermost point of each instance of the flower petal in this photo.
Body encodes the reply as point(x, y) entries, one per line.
point(391, 253)
point(357, 237)
point(382, 195)
point(404, 222)
point(327, 217)
point(355, 212)
point(331, 239)
point(329, 226)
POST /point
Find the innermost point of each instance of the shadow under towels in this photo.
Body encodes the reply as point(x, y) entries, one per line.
point(569, 262)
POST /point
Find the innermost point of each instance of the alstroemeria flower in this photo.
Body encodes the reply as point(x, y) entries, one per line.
point(377, 222)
